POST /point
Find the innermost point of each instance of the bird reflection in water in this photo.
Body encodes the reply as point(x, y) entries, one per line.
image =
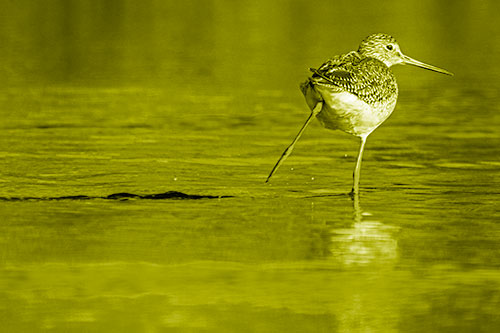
point(368, 242)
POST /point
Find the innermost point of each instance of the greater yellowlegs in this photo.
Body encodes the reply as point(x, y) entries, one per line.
point(355, 92)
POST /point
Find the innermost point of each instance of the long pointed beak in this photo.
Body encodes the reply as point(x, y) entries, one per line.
point(411, 61)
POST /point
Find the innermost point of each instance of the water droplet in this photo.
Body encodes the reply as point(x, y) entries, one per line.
point(175, 179)
point(312, 178)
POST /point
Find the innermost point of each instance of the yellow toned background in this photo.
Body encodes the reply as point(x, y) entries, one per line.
point(201, 97)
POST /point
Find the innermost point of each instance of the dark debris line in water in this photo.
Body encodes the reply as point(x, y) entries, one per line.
point(125, 196)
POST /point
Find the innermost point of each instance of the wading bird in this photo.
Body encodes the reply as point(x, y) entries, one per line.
point(355, 92)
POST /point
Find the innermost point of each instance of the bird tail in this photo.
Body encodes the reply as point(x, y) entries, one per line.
point(307, 84)
point(309, 91)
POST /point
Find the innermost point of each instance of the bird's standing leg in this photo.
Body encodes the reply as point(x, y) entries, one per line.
point(288, 150)
point(357, 169)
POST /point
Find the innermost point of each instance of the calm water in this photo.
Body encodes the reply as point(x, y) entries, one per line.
point(202, 98)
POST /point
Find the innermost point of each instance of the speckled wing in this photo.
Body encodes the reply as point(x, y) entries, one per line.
point(367, 78)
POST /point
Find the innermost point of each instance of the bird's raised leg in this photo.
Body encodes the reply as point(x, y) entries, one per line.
point(357, 169)
point(289, 150)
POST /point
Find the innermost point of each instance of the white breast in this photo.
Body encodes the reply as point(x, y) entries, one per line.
point(346, 112)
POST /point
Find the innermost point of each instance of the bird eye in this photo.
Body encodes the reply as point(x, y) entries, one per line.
point(389, 47)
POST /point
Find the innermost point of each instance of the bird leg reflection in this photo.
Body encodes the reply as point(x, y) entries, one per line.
point(356, 208)
point(368, 241)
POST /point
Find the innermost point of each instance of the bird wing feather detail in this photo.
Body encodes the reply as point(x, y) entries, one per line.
point(368, 78)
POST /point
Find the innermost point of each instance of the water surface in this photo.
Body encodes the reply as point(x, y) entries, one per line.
point(140, 100)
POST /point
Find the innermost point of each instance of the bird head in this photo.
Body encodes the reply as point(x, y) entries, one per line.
point(386, 49)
